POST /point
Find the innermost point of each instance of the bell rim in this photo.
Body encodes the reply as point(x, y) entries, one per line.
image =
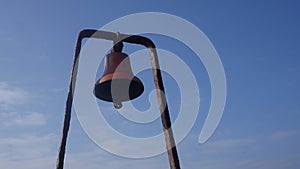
point(105, 95)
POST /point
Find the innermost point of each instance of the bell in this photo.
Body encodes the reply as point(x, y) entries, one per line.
point(118, 84)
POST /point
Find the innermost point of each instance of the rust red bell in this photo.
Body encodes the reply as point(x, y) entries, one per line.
point(118, 84)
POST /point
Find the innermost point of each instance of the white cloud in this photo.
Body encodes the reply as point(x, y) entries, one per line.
point(101, 159)
point(226, 144)
point(40, 162)
point(32, 151)
point(22, 119)
point(10, 94)
point(283, 134)
point(27, 146)
point(29, 151)
point(245, 163)
point(229, 143)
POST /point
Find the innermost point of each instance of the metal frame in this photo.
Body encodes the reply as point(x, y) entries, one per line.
point(163, 106)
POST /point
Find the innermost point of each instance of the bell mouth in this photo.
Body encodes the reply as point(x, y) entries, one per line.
point(118, 90)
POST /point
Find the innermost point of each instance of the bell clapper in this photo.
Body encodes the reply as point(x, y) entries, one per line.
point(117, 105)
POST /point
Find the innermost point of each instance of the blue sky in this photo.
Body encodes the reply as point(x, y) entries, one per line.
point(257, 41)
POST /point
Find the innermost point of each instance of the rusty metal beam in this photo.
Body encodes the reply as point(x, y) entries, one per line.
point(163, 106)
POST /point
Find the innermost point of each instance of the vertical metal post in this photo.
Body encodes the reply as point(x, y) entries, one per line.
point(165, 115)
point(163, 106)
point(67, 118)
